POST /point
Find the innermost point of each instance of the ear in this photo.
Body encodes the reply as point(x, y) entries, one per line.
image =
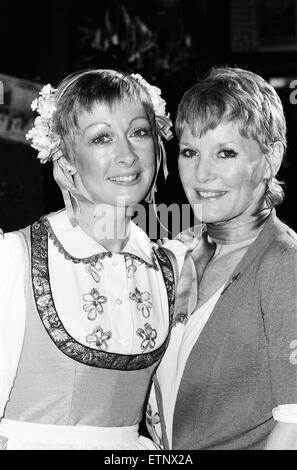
point(274, 159)
point(67, 166)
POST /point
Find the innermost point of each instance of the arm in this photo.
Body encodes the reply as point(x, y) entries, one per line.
point(280, 321)
point(12, 311)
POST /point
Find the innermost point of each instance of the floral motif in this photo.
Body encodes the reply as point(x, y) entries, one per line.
point(44, 301)
point(155, 94)
point(39, 285)
point(148, 335)
point(40, 231)
point(94, 303)
point(131, 265)
point(143, 303)
point(99, 337)
point(43, 137)
point(152, 420)
point(58, 335)
point(163, 120)
point(93, 269)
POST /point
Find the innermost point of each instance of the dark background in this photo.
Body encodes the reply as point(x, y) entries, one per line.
point(170, 42)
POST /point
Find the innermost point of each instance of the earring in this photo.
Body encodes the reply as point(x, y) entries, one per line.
point(66, 166)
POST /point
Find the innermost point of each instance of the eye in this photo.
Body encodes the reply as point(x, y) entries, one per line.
point(101, 139)
point(187, 153)
point(227, 153)
point(141, 132)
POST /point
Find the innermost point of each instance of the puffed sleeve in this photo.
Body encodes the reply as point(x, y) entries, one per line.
point(12, 311)
point(280, 322)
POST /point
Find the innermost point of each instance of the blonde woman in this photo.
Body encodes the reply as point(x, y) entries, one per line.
point(84, 296)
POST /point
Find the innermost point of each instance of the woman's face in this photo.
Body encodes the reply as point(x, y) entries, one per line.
point(222, 172)
point(114, 153)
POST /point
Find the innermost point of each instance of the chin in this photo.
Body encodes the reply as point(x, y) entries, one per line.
point(210, 216)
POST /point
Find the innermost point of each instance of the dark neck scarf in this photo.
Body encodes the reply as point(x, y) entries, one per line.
point(243, 227)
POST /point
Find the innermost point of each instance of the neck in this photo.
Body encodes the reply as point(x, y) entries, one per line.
point(105, 224)
point(243, 227)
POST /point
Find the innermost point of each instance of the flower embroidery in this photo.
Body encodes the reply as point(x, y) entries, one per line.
point(94, 303)
point(58, 335)
point(44, 302)
point(131, 265)
point(148, 336)
point(39, 285)
point(142, 300)
point(152, 421)
point(49, 316)
point(99, 337)
point(93, 269)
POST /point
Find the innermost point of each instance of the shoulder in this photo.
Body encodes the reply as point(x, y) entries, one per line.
point(12, 265)
point(278, 260)
point(11, 249)
point(283, 242)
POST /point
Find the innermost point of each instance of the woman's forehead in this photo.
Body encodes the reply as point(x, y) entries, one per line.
point(125, 110)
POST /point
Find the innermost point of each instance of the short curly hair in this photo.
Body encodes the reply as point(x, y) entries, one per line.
point(228, 94)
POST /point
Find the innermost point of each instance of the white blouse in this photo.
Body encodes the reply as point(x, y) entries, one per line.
point(118, 302)
point(12, 312)
point(169, 373)
point(115, 302)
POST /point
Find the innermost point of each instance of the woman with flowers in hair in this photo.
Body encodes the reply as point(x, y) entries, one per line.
point(85, 298)
point(228, 377)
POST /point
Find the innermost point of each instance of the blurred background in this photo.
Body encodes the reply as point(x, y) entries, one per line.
point(169, 42)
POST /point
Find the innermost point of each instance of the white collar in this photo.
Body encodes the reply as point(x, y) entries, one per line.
point(80, 245)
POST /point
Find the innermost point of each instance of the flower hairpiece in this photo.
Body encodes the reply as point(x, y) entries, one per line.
point(47, 142)
point(159, 104)
point(43, 137)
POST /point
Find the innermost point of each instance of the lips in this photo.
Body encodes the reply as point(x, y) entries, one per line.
point(210, 195)
point(125, 179)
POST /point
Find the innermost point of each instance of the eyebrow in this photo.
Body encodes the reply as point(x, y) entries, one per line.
point(219, 144)
point(228, 142)
point(187, 144)
point(108, 125)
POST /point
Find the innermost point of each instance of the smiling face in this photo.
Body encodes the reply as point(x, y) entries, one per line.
point(114, 153)
point(222, 171)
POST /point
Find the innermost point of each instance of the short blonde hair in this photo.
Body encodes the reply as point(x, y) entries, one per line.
point(232, 94)
point(81, 90)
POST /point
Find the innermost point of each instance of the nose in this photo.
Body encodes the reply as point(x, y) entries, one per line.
point(126, 155)
point(205, 170)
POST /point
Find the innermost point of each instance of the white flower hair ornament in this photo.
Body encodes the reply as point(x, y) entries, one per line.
point(47, 142)
point(43, 137)
point(164, 122)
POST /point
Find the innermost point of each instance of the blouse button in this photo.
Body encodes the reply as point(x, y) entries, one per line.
point(124, 342)
point(119, 301)
point(114, 262)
